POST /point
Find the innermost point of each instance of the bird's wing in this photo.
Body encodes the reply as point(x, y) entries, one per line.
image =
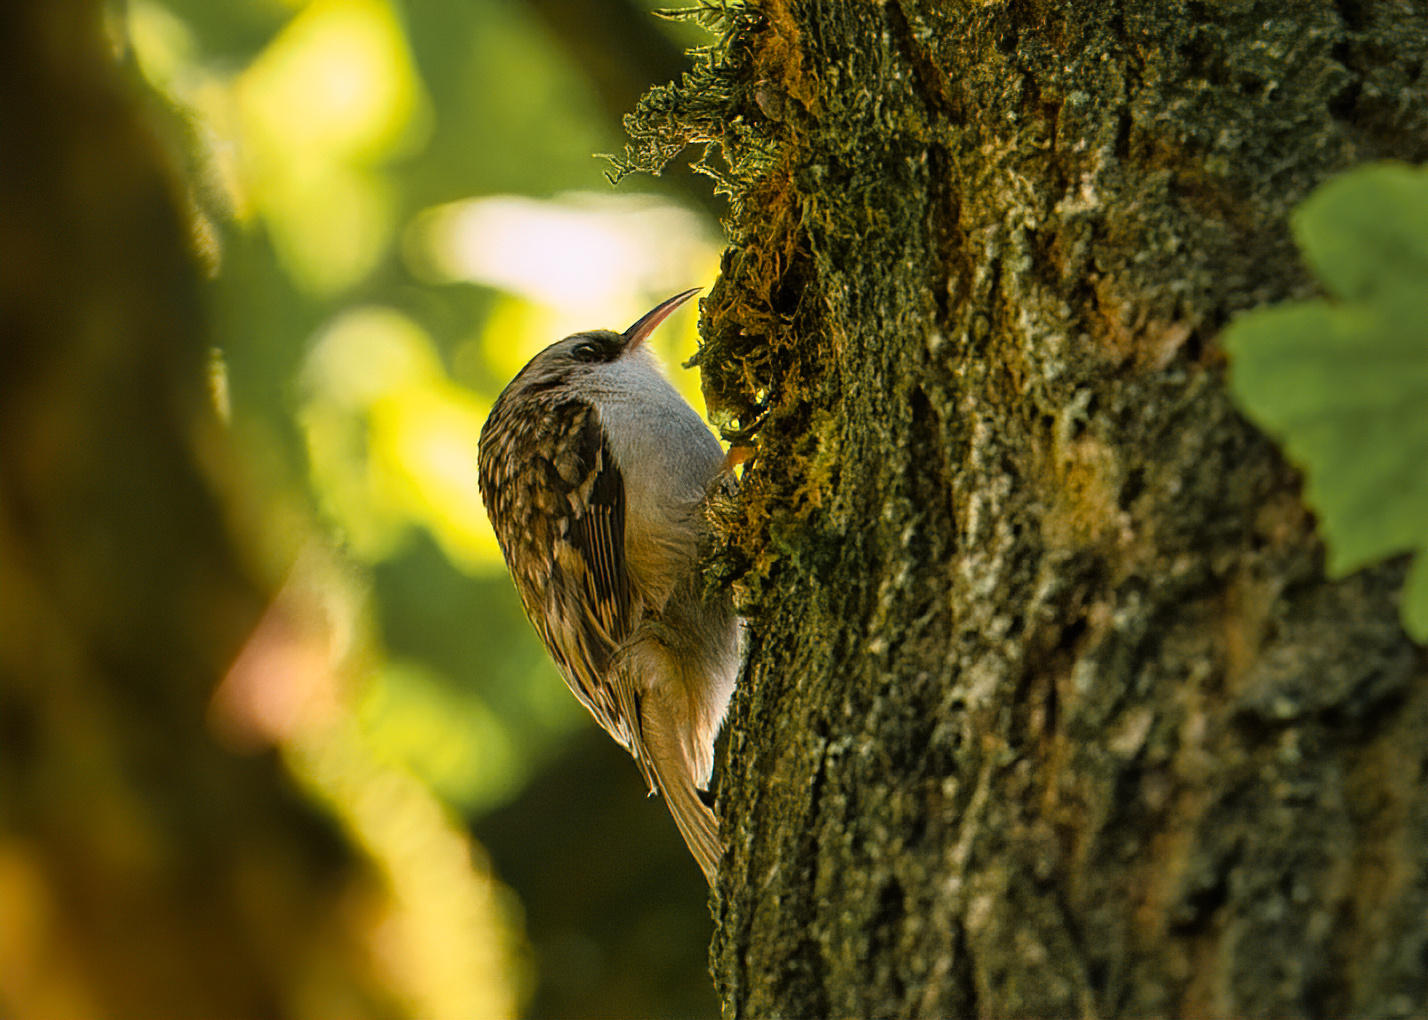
point(597, 533)
point(587, 611)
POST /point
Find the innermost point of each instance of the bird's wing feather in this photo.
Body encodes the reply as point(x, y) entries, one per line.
point(597, 531)
point(583, 608)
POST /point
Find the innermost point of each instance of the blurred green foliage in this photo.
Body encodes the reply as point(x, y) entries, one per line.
point(1343, 382)
point(371, 294)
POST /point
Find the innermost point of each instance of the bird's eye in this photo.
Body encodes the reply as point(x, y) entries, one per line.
point(586, 351)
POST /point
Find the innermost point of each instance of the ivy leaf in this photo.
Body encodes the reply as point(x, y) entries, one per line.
point(1367, 231)
point(1343, 384)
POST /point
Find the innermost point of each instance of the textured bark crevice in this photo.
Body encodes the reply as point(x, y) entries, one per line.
point(1049, 707)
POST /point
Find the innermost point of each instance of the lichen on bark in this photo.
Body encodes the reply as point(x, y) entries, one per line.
point(1049, 708)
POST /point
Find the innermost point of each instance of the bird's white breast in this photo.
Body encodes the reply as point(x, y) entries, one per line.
point(666, 455)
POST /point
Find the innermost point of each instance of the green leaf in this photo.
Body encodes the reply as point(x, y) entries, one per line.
point(1415, 599)
point(1367, 231)
point(1343, 385)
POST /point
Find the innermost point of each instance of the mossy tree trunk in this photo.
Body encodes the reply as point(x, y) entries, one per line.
point(1049, 708)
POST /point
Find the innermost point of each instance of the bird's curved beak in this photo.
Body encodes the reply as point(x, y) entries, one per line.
point(645, 325)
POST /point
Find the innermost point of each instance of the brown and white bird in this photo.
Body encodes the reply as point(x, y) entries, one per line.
point(594, 472)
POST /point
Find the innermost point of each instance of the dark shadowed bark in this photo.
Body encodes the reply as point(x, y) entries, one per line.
point(1049, 709)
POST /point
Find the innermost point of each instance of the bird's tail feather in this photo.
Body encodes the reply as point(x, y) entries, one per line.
point(670, 764)
point(696, 822)
point(661, 743)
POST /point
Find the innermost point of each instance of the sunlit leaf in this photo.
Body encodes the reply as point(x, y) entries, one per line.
point(330, 101)
point(338, 81)
point(424, 440)
point(448, 737)
point(392, 441)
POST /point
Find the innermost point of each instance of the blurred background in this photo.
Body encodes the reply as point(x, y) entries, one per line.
point(395, 205)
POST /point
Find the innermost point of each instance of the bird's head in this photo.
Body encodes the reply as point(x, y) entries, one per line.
point(564, 361)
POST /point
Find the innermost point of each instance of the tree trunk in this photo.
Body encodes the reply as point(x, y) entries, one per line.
point(1049, 709)
point(145, 871)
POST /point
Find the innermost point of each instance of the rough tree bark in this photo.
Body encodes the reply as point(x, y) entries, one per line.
point(1049, 708)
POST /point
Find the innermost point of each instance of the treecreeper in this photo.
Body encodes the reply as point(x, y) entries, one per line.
point(595, 473)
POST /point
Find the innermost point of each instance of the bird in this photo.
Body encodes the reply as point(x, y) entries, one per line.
point(595, 474)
